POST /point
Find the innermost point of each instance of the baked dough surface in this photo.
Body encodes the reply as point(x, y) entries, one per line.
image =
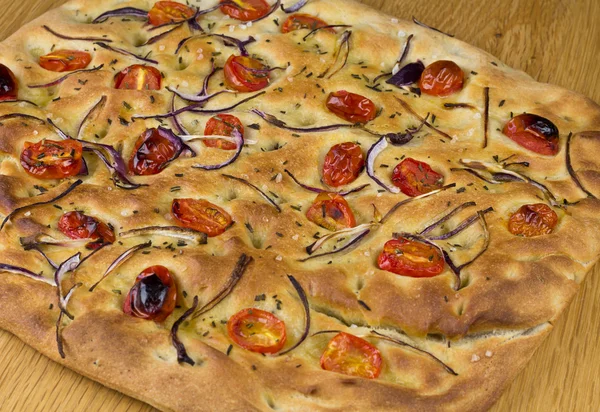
point(485, 332)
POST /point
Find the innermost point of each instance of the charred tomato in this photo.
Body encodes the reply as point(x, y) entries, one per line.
point(153, 151)
point(201, 215)
point(331, 211)
point(442, 78)
point(77, 225)
point(257, 331)
point(415, 178)
point(351, 107)
point(411, 258)
point(153, 295)
point(533, 132)
point(533, 220)
point(49, 159)
point(343, 164)
point(9, 87)
point(351, 355)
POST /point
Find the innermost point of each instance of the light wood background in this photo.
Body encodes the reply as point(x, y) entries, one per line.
point(556, 41)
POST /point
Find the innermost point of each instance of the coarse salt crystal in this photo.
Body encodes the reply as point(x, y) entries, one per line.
point(185, 84)
point(123, 212)
point(394, 20)
point(367, 253)
point(161, 47)
point(295, 237)
point(279, 258)
point(249, 24)
point(401, 33)
point(231, 28)
point(243, 26)
point(35, 132)
point(488, 353)
point(27, 214)
point(477, 115)
point(278, 178)
point(475, 358)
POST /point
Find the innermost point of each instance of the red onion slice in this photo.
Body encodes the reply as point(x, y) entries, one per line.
point(239, 141)
point(176, 232)
point(354, 241)
point(123, 257)
point(125, 52)
point(65, 267)
point(250, 185)
point(319, 190)
point(182, 356)
point(4, 267)
point(418, 23)
point(409, 74)
point(98, 106)
point(447, 217)
point(21, 116)
point(310, 249)
point(122, 12)
point(227, 40)
point(294, 7)
point(329, 26)
point(274, 7)
point(571, 171)
point(195, 97)
point(269, 118)
point(65, 37)
point(372, 154)
point(65, 77)
point(302, 295)
point(412, 199)
point(462, 226)
point(342, 50)
point(158, 37)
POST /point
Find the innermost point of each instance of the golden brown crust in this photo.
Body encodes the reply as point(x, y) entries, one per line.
point(485, 332)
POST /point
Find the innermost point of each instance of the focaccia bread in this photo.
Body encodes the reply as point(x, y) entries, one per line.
point(481, 183)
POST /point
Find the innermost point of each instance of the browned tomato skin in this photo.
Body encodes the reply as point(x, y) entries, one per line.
point(77, 225)
point(65, 60)
point(411, 258)
point(534, 133)
point(156, 285)
point(138, 77)
point(351, 355)
point(9, 87)
point(222, 125)
point(151, 154)
point(201, 215)
point(332, 212)
point(244, 10)
point(343, 164)
point(533, 220)
point(415, 178)
point(50, 159)
point(245, 74)
point(240, 329)
point(164, 12)
point(303, 21)
point(442, 78)
point(351, 107)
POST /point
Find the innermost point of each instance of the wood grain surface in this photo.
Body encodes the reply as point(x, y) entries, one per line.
point(555, 41)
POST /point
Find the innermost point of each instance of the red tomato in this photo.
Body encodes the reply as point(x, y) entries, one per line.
point(245, 10)
point(332, 212)
point(257, 331)
point(165, 12)
point(153, 295)
point(343, 164)
point(65, 60)
point(303, 21)
point(411, 258)
point(245, 74)
point(351, 355)
point(201, 215)
point(138, 77)
point(152, 153)
point(442, 78)
point(77, 225)
point(351, 107)
point(533, 132)
point(533, 220)
point(49, 159)
point(222, 125)
point(416, 178)
point(9, 87)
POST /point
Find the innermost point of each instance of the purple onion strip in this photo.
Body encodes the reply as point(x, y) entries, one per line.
point(65, 267)
point(125, 11)
point(318, 190)
point(312, 248)
point(302, 295)
point(417, 22)
point(65, 77)
point(354, 241)
point(125, 53)
point(409, 74)
point(176, 232)
point(486, 115)
point(343, 49)
point(462, 226)
point(120, 260)
point(65, 37)
point(182, 356)
point(156, 38)
point(194, 97)
point(411, 111)
point(98, 106)
point(256, 188)
point(329, 26)
point(227, 40)
point(571, 170)
point(20, 116)
point(25, 272)
point(239, 141)
point(294, 7)
point(59, 341)
point(446, 217)
point(274, 7)
point(372, 154)
point(411, 199)
point(269, 118)
point(175, 120)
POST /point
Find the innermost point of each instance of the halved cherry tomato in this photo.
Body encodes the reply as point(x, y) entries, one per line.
point(222, 125)
point(244, 10)
point(153, 295)
point(138, 77)
point(343, 164)
point(65, 60)
point(303, 21)
point(411, 258)
point(9, 87)
point(351, 355)
point(351, 107)
point(245, 74)
point(49, 159)
point(164, 12)
point(331, 211)
point(533, 220)
point(415, 178)
point(201, 215)
point(77, 225)
point(533, 132)
point(152, 153)
point(257, 331)
point(442, 78)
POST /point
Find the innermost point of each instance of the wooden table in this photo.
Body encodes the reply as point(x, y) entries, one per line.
point(556, 41)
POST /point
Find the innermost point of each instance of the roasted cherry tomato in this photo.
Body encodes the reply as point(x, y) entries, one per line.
point(411, 258)
point(303, 21)
point(65, 60)
point(533, 132)
point(201, 215)
point(533, 220)
point(138, 77)
point(165, 12)
point(152, 153)
point(9, 87)
point(351, 355)
point(222, 125)
point(343, 164)
point(257, 331)
point(49, 159)
point(442, 78)
point(332, 212)
point(416, 178)
point(351, 107)
point(244, 10)
point(77, 225)
point(153, 295)
point(245, 74)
